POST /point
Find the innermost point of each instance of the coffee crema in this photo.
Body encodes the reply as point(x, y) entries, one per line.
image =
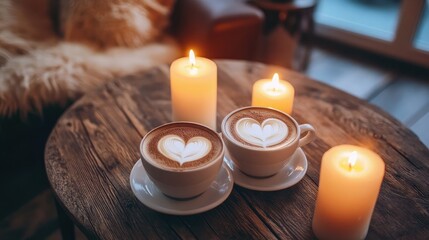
point(182, 146)
point(260, 128)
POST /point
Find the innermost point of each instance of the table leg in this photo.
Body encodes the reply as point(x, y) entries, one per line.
point(66, 224)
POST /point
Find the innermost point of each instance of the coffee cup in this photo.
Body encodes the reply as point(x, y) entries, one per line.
point(182, 158)
point(260, 141)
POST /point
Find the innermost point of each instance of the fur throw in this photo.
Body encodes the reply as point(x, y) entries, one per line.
point(102, 39)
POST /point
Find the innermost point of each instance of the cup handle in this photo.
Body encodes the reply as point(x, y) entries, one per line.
point(309, 136)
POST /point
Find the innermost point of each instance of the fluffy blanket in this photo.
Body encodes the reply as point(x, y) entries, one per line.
point(38, 66)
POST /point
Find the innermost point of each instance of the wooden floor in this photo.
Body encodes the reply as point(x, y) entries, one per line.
point(399, 89)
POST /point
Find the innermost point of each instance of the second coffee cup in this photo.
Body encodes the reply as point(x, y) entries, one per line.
point(261, 141)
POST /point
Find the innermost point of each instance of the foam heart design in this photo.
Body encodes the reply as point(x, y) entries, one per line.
point(175, 148)
point(271, 132)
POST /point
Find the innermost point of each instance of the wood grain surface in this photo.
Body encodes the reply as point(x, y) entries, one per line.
point(95, 144)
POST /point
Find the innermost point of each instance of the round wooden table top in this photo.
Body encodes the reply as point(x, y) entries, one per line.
point(95, 144)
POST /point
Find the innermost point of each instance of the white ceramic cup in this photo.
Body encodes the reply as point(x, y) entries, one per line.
point(265, 162)
point(182, 183)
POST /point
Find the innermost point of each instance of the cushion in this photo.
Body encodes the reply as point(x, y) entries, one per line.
point(102, 40)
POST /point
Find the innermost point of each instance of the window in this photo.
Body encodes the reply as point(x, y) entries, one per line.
point(397, 28)
point(377, 19)
point(422, 37)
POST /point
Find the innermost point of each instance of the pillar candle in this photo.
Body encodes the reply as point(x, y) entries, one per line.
point(273, 93)
point(349, 184)
point(194, 90)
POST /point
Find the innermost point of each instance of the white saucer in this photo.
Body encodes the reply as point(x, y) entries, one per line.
point(290, 175)
point(146, 191)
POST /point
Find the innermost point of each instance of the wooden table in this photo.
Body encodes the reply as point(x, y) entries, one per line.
point(94, 145)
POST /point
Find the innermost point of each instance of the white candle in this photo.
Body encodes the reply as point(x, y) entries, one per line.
point(194, 90)
point(275, 93)
point(350, 180)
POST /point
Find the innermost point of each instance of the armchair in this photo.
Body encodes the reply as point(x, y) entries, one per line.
point(217, 29)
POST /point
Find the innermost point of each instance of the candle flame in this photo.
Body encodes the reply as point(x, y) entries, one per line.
point(275, 81)
point(192, 57)
point(352, 159)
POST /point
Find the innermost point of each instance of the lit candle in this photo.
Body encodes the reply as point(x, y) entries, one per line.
point(273, 93)
point(350, 180)
point(194, 90)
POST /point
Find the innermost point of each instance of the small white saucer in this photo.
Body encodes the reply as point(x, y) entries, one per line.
point(290, 175)
point(146, 191)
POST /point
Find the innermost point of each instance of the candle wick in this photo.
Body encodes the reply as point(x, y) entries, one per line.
point(193, 69)
point(276, 88)
point(350, 166)
point(352, 160)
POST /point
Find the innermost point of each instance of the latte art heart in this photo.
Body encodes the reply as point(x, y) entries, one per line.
point(271, 132)
point(175, 148)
